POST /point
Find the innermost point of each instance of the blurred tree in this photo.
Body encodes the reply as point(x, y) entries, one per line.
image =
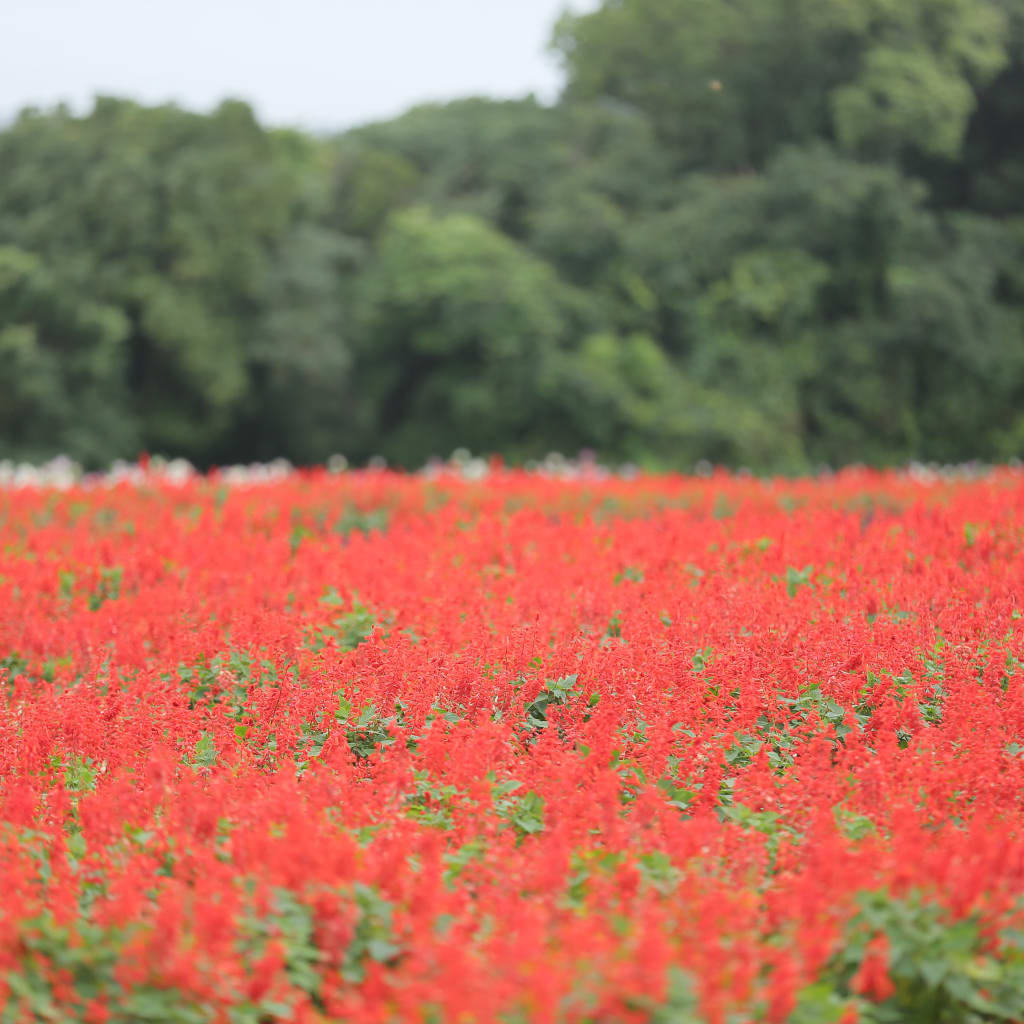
point(62, 381)
point(484, 157)
point(766, 232)
point(827, 295)
point(184, 223)
point(468, 339)
point(459, 327)
point(369, 182)
point(625, 397)
point(728, 83)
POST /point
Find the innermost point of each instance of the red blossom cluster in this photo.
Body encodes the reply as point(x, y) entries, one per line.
point(370, 747)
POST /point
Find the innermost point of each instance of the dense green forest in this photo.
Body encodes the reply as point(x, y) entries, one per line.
point(772, 233)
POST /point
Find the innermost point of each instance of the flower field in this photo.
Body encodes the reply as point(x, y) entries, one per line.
point(367, 747)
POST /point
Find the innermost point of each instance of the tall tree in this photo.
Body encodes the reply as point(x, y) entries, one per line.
point(188, 225)
point(459, 329)
point(62, 362)
point(727, 83)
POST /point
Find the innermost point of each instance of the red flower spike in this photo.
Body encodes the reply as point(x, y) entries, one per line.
point(569, 748)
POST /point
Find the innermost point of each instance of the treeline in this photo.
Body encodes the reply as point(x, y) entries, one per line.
point(773, 233)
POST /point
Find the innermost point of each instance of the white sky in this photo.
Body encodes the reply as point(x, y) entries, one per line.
point(319, 64)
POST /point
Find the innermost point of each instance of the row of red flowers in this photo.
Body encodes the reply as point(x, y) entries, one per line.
point(371, 747)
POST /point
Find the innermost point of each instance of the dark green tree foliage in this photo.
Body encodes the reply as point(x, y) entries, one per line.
point(843, 315)
point(202, 233)
point(62, 361)
point(765, 232)
point(727, 83)
point(478, 156)
point(460, 328)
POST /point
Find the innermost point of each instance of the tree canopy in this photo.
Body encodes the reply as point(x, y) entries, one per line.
point(771, 233)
